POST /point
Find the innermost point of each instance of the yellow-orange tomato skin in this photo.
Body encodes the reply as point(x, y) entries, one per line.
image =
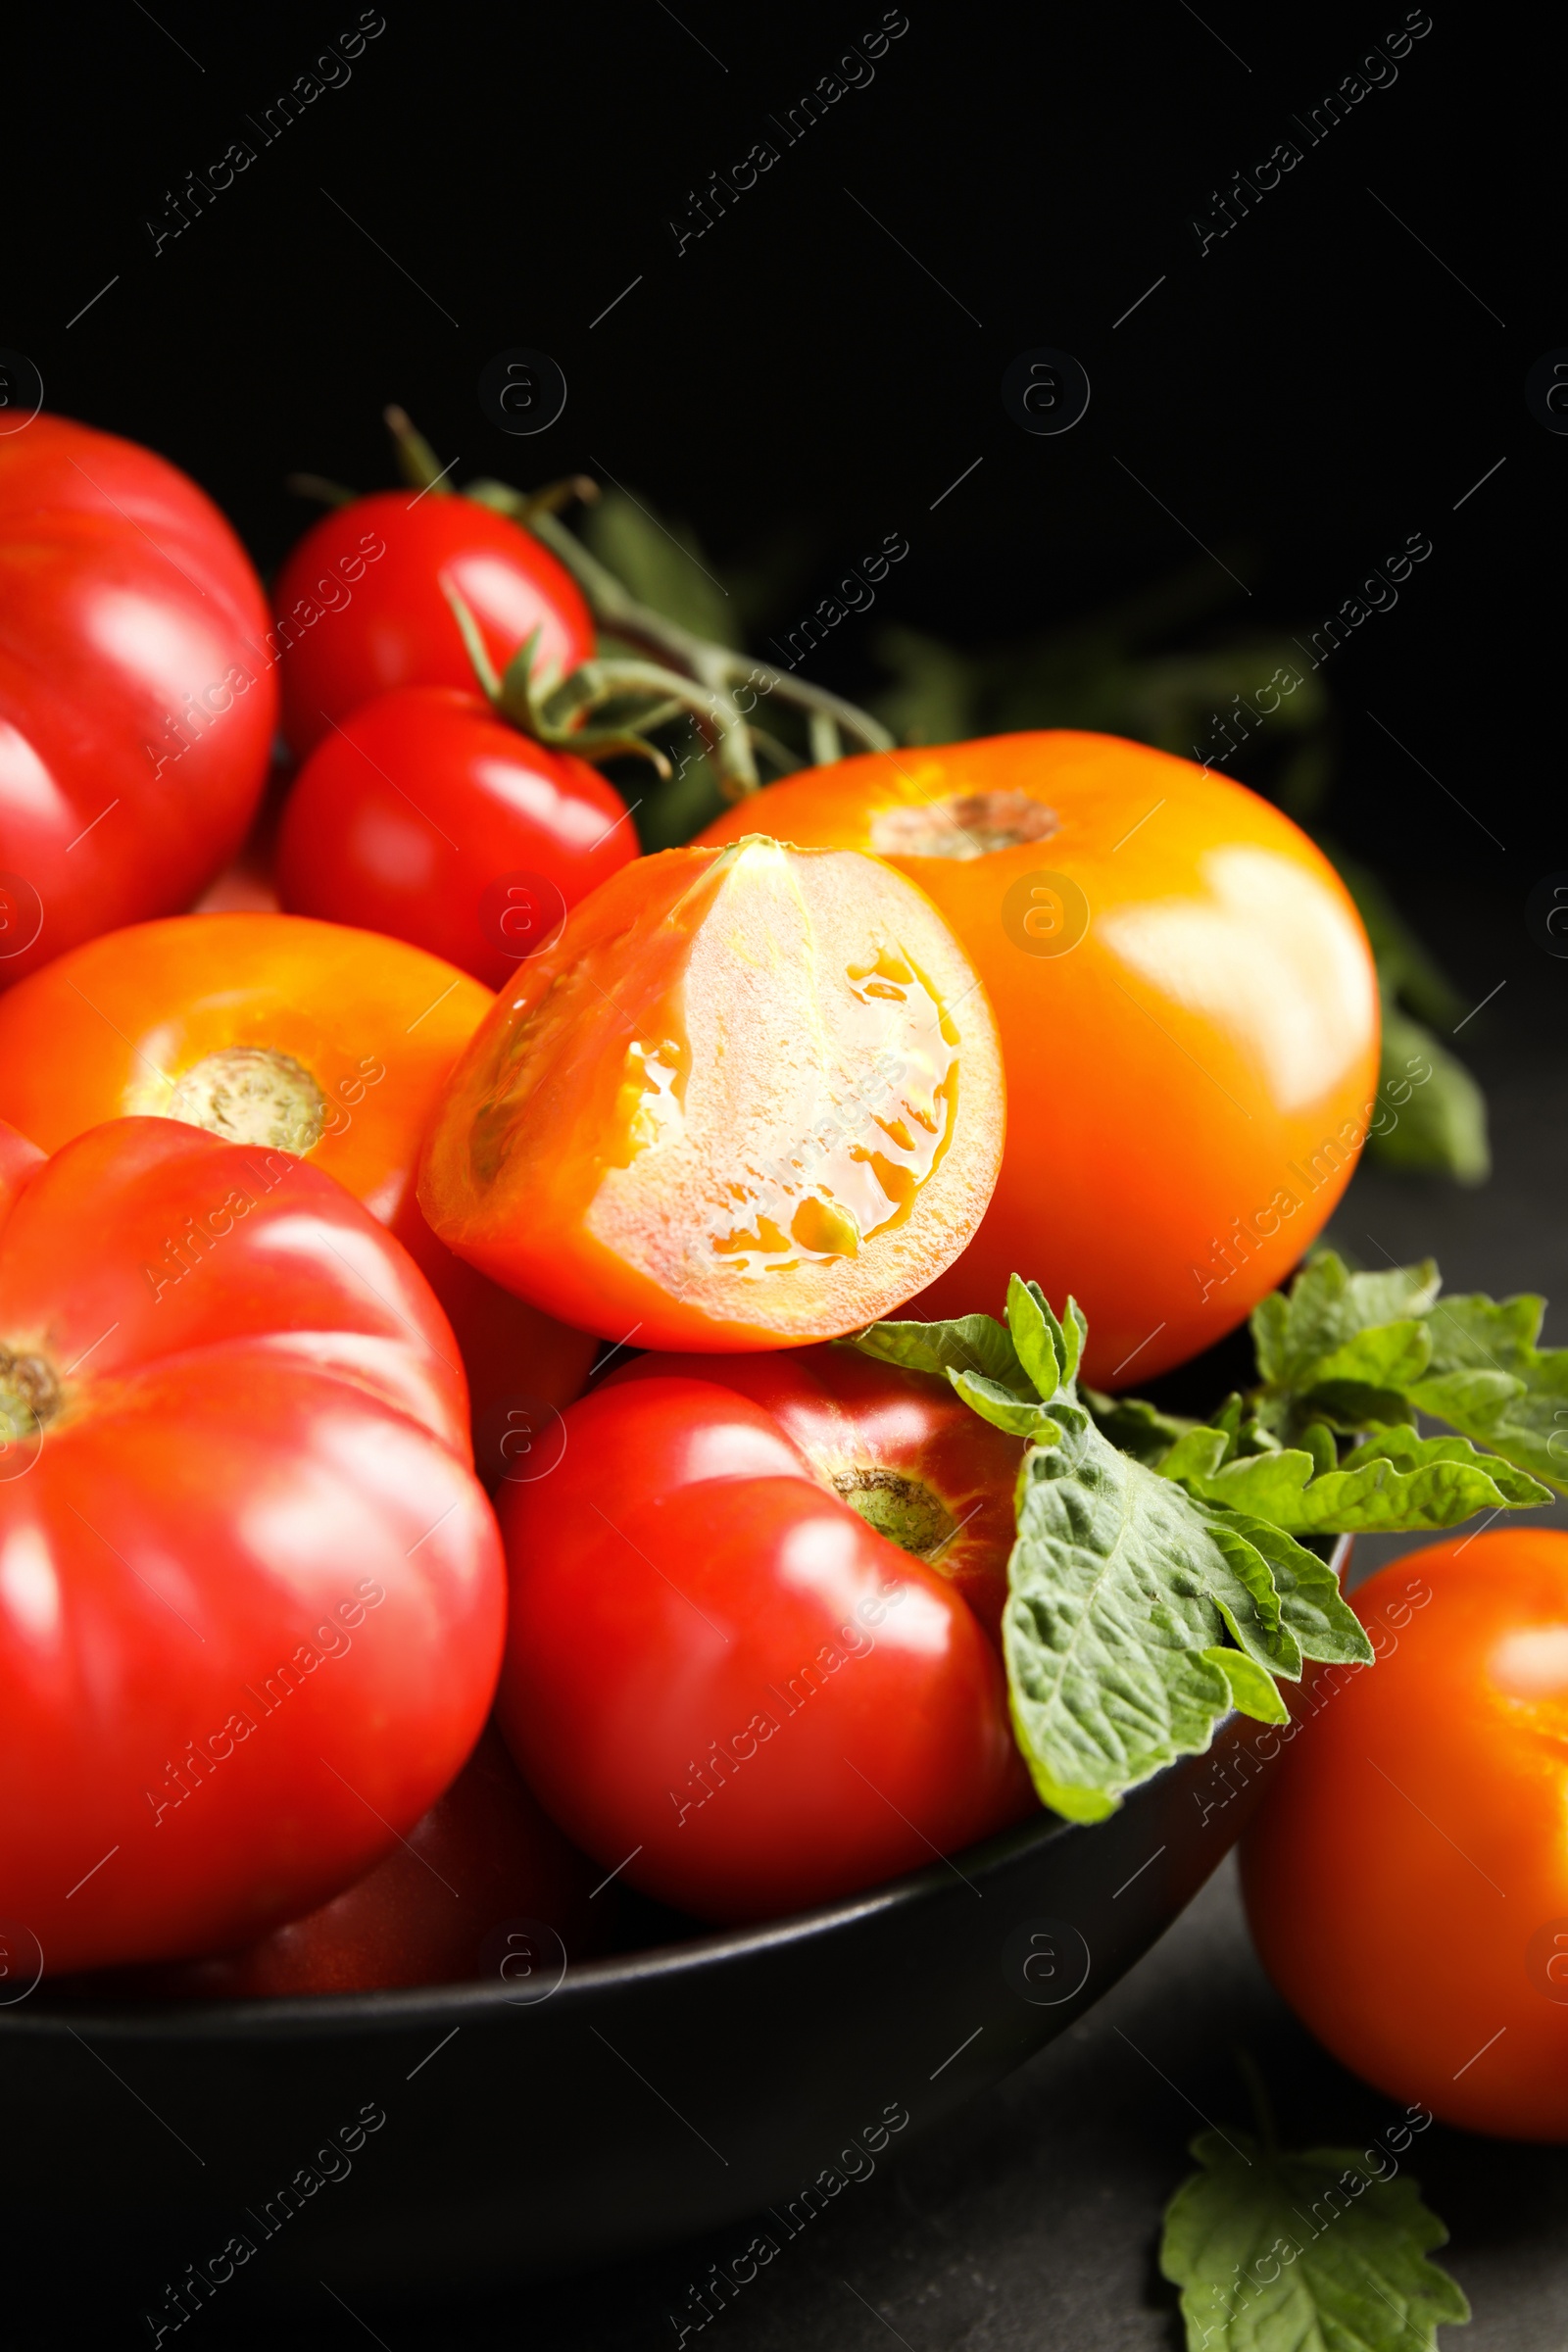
point(1188, 1012)
point(1406, 1880)
point(118, 1027)
point(751, 1098)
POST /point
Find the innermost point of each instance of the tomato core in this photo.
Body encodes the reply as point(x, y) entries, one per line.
point(251, 1094)
point(904, 1510)
point(965, 824)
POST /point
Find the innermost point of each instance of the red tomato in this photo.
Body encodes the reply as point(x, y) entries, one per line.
point(361, 600)
point(427, 817)
point(720, 1677)
point(251, 1593)
point(138, 694)
point(485, 1859)
point(1188, 1011)
point(898, 1447)
point(1407, 1877)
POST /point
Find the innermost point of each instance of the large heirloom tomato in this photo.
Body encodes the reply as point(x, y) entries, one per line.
point(465, 1894)
point(426, 816)
point(898, 1447)
point(138, 694)
point(1407, 1878)
point(361, 603)
point(307, 1036)
point(722, 1677)
point(748, 1098)
point(251, 1593)
point(1188, 1011)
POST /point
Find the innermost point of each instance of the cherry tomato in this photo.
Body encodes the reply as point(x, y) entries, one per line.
point(1187, 1010)
point(361, 599)
point(465, 1894)
point(305, 1037)
point(1407, 1878)
point(251, 1593)
point(898, 1447)
point(138, 693)
point(722, 1678)
point(749, 1098)
point(427, 816)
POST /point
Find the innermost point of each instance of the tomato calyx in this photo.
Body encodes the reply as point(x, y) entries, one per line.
point(906, 1510)
point(964, 824)
point(251, 1094)
point(30, 1395)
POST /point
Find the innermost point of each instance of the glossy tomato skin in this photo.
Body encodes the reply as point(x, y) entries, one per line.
point(1406, 1880)
point(425, 816)
point(250, 1591)
point(114, 1028)
point(1188, 1012)
point(361, 596)
point(138, 694)
point(898, 1447)
point(717, 1663)
point(435, 1911)
point(749, 1098)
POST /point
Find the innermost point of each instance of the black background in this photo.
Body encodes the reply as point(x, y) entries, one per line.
point(1315, 389)
point(1304, 397)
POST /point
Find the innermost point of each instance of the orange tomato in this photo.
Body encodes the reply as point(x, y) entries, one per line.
point(749, 1098)
point(1406, 1879)
point(1188, 1012)
point(296, 1035)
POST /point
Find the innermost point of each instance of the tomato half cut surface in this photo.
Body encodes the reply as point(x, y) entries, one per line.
point(251, 1596)
point(749, 1098)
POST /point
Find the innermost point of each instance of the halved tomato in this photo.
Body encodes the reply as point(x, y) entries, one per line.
point(749, 1098)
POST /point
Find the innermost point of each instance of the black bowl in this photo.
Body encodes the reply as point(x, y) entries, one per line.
point(572, 2114)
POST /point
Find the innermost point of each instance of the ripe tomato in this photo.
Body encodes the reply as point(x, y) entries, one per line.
point(251, 1593)
point(485, 1858)
point(749, 1098)
point(137, 694)
point(427, 816)
point(898, 1447)
point(722, 1678)
point(306, 1037)
point(1407, 1877)
point(361, 600)
point(1188, 1011)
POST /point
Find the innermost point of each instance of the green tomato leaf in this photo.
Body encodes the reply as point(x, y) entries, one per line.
point(1396, 1480)
point(1253, 1692)
point(1314, 1610)
point(1122, 1588)
point(1317, 2252)
point(1043, 1346)
point(1297, 1332)
point(1134, 1426)
point(1020, 1417)
point(1432, 1114)
point(976, 1344)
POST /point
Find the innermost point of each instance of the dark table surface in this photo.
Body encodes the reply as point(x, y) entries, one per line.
point(1035, 2221)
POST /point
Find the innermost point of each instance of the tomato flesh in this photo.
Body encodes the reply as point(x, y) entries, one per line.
point(750, 1098)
